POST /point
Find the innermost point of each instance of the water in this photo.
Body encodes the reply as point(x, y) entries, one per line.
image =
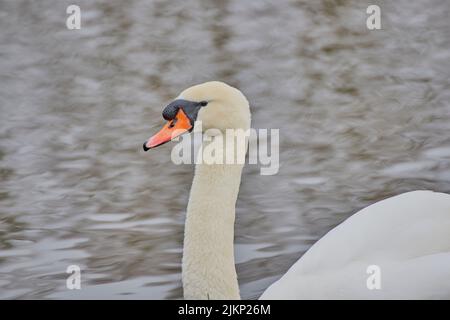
point(363, 115)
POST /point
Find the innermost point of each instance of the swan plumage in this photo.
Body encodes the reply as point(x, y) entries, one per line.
point(406, 236)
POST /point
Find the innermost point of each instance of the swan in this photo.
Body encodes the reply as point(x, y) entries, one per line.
point(406, 238)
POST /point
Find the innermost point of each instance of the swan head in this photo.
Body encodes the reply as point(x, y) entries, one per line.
point(213, 105)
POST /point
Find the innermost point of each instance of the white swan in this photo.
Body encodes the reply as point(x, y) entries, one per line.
point(406, 237)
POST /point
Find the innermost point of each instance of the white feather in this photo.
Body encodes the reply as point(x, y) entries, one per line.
point(407, 236)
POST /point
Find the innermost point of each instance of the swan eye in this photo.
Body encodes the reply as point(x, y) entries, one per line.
point(172, 123)
point(204, 103)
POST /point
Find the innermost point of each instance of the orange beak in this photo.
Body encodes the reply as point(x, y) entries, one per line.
point(172, 129)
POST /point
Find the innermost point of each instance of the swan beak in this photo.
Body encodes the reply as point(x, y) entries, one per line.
point(172, 129)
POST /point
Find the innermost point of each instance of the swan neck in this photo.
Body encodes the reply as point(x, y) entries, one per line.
point(208, 267)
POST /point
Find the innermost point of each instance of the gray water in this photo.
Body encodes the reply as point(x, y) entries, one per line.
point(363, 115)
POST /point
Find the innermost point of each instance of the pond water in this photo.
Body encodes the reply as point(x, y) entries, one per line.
point(363, 115)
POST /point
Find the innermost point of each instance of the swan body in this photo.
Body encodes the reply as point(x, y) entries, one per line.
point(406, 237)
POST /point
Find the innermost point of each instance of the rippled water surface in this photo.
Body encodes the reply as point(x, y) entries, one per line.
point(362, 114)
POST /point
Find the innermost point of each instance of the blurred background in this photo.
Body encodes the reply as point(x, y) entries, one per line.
point(363, 115)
